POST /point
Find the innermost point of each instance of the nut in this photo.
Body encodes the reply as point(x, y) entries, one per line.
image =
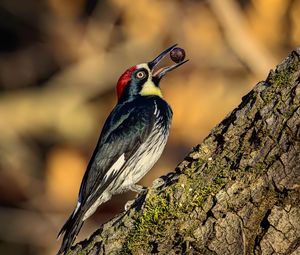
point(177, 55)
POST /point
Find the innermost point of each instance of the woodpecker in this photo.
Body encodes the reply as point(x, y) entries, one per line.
point(132, 140)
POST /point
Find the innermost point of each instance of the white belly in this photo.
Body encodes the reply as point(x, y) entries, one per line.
point(147, 156)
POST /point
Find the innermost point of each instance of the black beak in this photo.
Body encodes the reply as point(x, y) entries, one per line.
point(162, 71)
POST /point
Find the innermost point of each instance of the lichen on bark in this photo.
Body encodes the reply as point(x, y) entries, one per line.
point(238, 192)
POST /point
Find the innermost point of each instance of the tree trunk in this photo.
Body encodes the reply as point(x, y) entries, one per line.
point(238, 192)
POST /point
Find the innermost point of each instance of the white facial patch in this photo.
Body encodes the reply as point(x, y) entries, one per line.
point(144, 65)
point(149, 88)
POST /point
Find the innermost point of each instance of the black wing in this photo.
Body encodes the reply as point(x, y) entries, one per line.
point(125, 130)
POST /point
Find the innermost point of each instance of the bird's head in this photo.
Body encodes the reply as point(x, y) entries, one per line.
point(142, 79)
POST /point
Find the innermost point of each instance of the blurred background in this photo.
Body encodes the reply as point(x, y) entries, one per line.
point(59, 63)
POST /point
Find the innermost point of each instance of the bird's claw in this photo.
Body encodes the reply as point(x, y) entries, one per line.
point(140, 190)
point(158, 183)
point(137, 188)
point(128, 205)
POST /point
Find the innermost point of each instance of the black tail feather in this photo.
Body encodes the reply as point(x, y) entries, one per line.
point(70, 230)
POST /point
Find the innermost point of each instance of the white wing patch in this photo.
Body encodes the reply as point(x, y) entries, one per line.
point(105, 196)
point(76, 209)
point(115, 167)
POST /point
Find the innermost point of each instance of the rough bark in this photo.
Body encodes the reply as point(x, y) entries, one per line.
point(238, 192)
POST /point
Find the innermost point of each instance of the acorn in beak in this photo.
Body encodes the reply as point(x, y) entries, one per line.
point(158, 74)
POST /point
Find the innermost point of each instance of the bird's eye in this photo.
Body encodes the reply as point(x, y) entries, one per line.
point(140, 74)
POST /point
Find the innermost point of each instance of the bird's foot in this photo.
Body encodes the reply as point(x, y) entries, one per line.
point(128, 205)
point(157, 183)
point(141, 192)
point(137, 188)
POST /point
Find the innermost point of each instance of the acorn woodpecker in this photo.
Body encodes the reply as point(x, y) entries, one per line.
point(132, 140)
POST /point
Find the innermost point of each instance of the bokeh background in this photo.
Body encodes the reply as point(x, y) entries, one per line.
point(59, 63)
